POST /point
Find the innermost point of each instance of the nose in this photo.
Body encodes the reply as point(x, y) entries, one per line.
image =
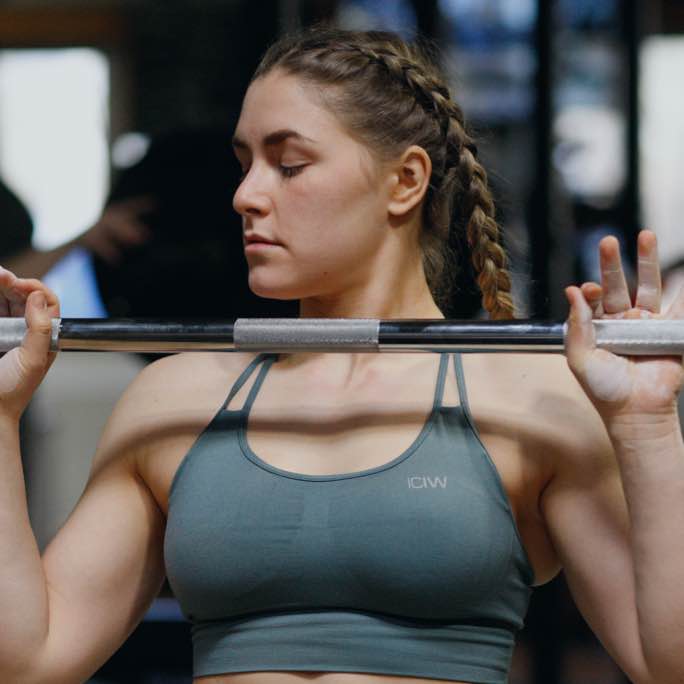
point(250, 199)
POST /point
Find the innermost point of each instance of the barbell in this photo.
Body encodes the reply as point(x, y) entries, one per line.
point(633, 337)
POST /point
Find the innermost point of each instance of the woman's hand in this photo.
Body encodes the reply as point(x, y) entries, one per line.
point(617, 385)
point(23, 368)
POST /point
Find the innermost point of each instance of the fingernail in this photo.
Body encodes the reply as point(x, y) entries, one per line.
point(568, 295)
point(40, 300)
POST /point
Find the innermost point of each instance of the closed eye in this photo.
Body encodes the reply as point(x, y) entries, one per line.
point(290, 171)
point(286, 171)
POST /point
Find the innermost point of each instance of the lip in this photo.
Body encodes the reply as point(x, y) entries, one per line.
point(253, 239)
point(259, 246)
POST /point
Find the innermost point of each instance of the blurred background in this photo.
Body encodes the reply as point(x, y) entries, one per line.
point(117, 178)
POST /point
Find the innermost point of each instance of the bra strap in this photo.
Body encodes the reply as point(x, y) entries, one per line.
point(460, 381)
point(268, 362)
point(242, 379)
point(441, 377)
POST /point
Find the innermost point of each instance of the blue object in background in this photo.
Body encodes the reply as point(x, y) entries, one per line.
point(73, 281)
point(395, 16)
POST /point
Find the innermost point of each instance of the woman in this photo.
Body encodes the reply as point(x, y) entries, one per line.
point(340, 514)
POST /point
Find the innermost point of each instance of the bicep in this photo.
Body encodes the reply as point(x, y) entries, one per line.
point(105, 565)
point(102, 571)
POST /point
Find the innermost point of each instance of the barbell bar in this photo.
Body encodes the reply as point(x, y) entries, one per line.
point(640, 337)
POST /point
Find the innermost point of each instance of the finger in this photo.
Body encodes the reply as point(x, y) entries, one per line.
point(615, 292)
point(14, 299)
point(25, 286)
point(579, 339)
point(593, 293)
point(650, 289)
point(6, 278)
point(36, 343)
point(676, 309)
point(15, 291)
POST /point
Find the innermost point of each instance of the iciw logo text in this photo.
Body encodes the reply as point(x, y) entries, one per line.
point(427, 482)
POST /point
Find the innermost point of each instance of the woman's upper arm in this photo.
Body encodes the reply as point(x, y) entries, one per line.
point(586, 515)
point(105, 565)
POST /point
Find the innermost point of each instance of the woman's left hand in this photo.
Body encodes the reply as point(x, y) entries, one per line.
point(619, 385)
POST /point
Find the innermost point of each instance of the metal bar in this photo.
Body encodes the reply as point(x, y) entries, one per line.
point(144, 335)
point(629, 337)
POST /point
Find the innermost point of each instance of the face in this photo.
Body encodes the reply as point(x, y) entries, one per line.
point(309, 188)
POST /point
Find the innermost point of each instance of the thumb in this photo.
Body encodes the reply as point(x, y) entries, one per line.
point(36, 344)
point(580, 338)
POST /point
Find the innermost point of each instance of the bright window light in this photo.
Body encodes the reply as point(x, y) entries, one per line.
point(662, 142)
point(54, 122)
point(53, 136)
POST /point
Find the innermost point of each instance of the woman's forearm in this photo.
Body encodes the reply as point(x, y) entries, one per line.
point(650, 454)
point(24, 614)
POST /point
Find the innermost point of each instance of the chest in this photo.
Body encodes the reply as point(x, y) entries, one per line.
point(244, 536)
point(300, 428)
point(299, 425)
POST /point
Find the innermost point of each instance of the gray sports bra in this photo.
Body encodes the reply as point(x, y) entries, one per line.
point(411, 568)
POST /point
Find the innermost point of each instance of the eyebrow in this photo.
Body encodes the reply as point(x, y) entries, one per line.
point(272, 139)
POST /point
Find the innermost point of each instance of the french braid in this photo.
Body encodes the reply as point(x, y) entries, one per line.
point(390, 94)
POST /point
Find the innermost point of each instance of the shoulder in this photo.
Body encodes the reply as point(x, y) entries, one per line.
point(540, 392)
point(169, 379)
point(177, 380)
point(172, 395)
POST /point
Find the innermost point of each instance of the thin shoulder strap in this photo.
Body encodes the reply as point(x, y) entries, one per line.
point(441, 377)
point(242, 379)
point(460, 381)
point(256, 386)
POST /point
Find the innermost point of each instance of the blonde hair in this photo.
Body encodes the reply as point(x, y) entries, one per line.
point(391, 94)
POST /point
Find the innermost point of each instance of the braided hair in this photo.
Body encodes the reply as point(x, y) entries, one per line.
point(390, 94)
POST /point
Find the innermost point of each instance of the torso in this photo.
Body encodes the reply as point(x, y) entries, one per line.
point(361, 424)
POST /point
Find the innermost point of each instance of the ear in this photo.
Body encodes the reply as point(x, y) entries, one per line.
point(409, 178)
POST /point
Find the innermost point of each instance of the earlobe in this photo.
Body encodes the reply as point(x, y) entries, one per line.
point(410, 178)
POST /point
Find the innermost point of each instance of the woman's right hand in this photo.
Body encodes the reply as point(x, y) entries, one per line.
point(23, 368)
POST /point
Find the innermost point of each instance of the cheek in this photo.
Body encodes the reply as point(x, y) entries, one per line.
point(332, 220)
point(330, 226)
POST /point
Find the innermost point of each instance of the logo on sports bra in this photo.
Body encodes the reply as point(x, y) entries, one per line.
point(427, 482)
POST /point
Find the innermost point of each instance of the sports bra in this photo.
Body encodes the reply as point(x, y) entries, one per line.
point(411, 568)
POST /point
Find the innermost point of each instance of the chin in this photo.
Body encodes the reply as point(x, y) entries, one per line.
point(273, 290)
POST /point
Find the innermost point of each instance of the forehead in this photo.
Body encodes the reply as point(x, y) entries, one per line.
point(281, 101)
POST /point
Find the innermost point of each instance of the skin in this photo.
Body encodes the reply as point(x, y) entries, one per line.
point(604, 502)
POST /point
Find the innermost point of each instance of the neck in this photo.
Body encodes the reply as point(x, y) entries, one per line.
point(401, 294)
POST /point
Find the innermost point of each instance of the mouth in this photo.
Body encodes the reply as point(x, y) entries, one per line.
point(253, 246)
point(254, 239)
point(255, 243)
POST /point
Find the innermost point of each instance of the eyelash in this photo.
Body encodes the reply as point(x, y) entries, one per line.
point(286, 171)
point(290, 171)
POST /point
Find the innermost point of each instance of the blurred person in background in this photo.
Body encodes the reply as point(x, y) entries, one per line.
point(120, 226)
